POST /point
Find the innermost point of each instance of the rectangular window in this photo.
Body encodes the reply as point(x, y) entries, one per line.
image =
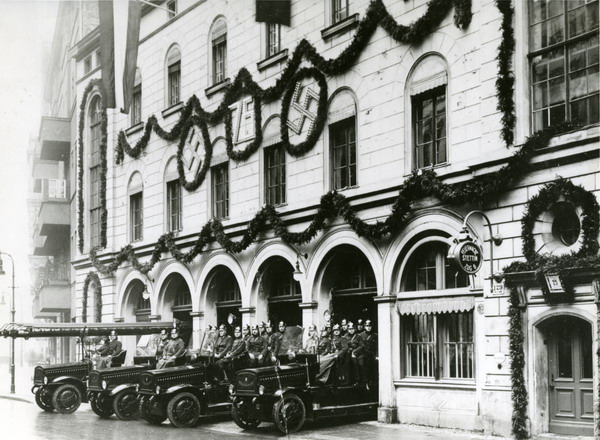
point(136, 216)
point(429, 115)
point(136, 105)
point(172, 7)
point(220, 191)
point(564, 48)
point(174, 205)
point(174, 83)
point(94, 168)
point(87, 65)
point(342, 138)
point(273, 38)
point(340, 10)
point(439, 346)
point(275, 175)
point(220, 59)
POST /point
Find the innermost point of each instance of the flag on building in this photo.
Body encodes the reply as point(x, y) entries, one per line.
point(119, 37)
point(273, 11)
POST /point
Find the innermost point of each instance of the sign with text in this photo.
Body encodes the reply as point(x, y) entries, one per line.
point(467, 255)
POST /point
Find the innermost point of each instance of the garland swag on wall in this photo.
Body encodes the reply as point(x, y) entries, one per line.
point(92, 277)
point(420, 184)
point(243, 84)
point(94, 83)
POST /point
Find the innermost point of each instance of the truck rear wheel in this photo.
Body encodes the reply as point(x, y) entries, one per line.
point(184, 410)
point(43, 399)
point(240, 417)
point(144, 414)
point(289, 413)
point(66, 399)
point(125, 405)
point(101, 405)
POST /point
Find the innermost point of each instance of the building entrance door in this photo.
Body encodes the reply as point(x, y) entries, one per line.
point(570, 369)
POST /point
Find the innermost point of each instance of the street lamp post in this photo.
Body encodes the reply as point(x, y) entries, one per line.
point(12, 314)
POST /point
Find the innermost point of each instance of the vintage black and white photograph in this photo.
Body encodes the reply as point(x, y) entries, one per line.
point(300, 219)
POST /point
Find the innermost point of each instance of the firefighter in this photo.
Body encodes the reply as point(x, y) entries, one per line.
point(355, 348)
point(238, 351)
point(273, 344)
point(256, 346)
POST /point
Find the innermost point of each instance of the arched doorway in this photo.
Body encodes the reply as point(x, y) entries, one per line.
point(570, 371)
point(177, 303)
point(282, 293)
point(223, 298)
point(349, 284)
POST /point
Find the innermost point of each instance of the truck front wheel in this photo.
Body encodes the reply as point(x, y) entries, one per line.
point(289, 413)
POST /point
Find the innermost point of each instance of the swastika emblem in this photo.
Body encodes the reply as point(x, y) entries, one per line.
point(242, 120)
point(190, 154)
point(303, 108)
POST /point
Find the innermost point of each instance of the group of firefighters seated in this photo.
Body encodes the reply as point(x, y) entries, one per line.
point(351, 348)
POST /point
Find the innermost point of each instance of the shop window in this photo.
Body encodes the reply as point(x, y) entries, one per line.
point(136, 216)
point(95, 136)
point(439, 345)
point(565, 80)
point(340, 10)
point(174, 206)
point(219, 51)
point(275, 179)
point(220, 191)
point(438, 328)
point(273, 45)
point(342, 139)
point(182, 299)
point(173, 77)
point(136, 100)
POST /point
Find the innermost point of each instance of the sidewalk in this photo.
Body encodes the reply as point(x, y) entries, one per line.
point(23, 383)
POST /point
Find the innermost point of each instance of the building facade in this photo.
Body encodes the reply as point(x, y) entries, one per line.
point(321, 171)
point(52, 185)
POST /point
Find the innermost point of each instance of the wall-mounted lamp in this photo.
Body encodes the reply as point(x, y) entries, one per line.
point(145, 292)
point(298, 273)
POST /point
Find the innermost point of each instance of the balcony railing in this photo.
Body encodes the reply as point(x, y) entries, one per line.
point(54, 189)
point(53, 272)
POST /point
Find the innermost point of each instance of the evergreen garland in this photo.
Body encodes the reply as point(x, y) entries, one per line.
point(94, 83)
point(92, 277)
point(420, 184)
point(505, 83)
point(243, 84)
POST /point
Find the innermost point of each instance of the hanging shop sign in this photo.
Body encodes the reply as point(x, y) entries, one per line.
point(467, 255)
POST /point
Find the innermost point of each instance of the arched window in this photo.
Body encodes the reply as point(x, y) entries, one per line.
point(437, 332)
point(428, 84)
point(135, 192)
point(342, 140)
point(218, 39)
point(95, 137)
point(136, 101)
point(173, 76)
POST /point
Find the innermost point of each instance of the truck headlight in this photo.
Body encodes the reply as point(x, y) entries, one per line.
point(231, 389)
point(261, 390)
point(104, 384)
point(45, 380)
point(137, 387)
point(158, 389)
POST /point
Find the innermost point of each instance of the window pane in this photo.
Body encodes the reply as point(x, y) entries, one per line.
point(565, 348)
point(587, 363)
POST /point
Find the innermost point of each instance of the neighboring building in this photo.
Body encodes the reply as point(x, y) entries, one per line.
point(52, 160)
point(444, 337)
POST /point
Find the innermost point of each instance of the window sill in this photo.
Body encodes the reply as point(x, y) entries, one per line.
point(468, 385)
point(272, 60)
point(134, 128)
point(172, 109)
point(340, 27)
point(218, 87)
point(346, 188)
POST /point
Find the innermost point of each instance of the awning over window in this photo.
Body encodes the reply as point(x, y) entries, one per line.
point(436, 305)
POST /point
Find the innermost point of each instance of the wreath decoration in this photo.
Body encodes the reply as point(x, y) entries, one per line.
point(92, 277)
